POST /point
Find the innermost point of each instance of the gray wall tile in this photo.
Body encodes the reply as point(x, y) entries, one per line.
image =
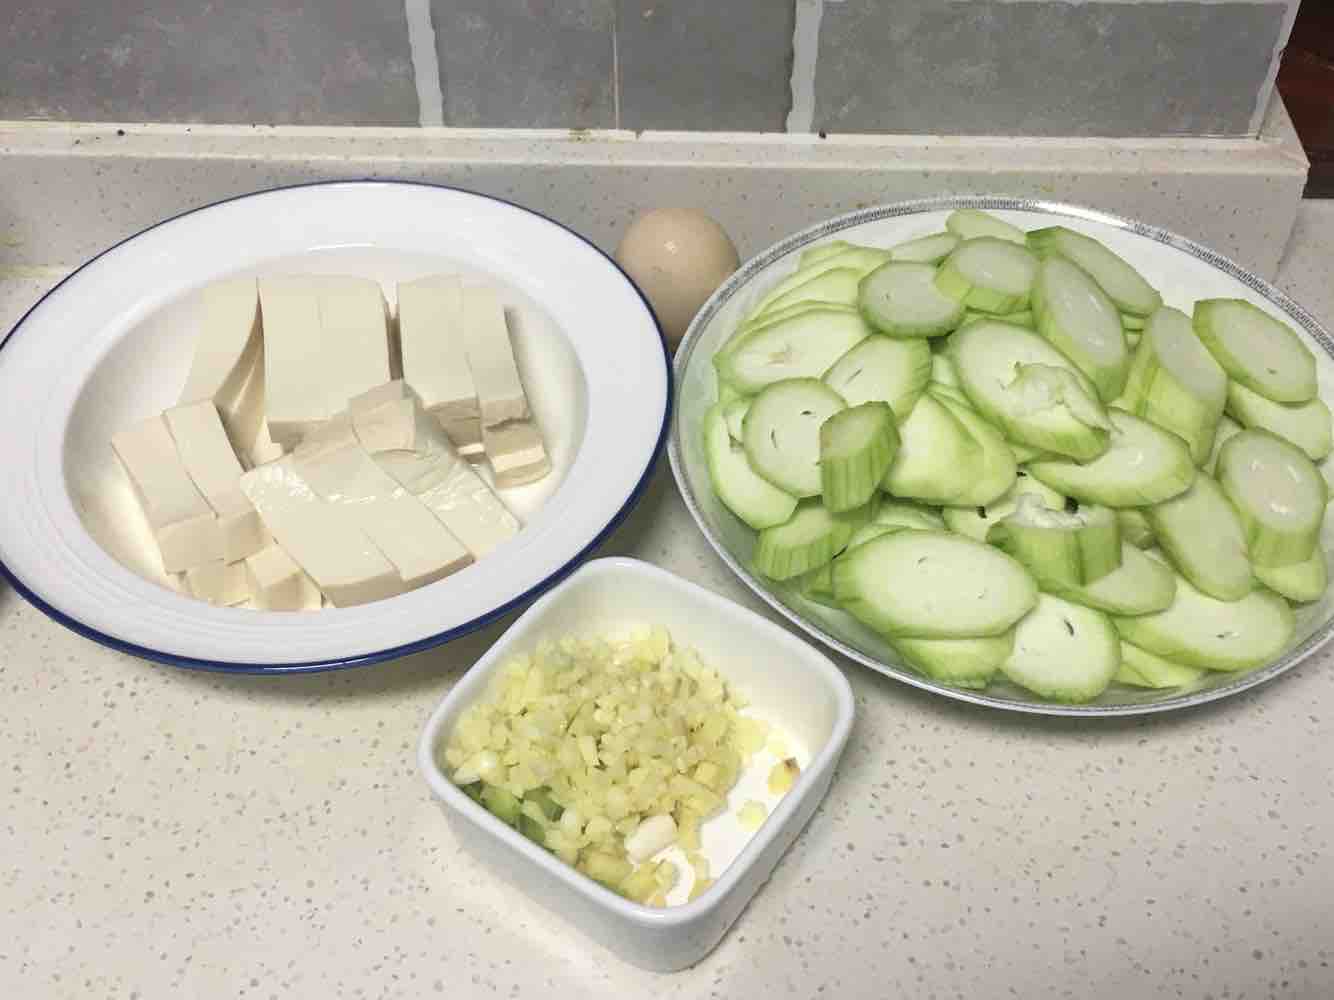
point(243, 61)
point(980, 67)
point(525, 63)
point(705, 65)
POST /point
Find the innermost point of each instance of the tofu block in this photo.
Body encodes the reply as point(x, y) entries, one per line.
point(326, 340)
point(321, 538)
point(182, 522)
point(486, 336)
point(516, 453)
point(227, 367)
point(218, 582)
point(435, 358)
point(435, 473)
point(276, 583)
point(295, 400)
point(421, 548)
point(265, 449)
point(213, 467)
point(354, 322)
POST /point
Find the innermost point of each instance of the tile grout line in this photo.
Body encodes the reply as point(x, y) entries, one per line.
point(425, 63)
point(615, 70)
point(805, 50)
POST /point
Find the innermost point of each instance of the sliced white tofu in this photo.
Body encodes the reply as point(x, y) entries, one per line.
point(431, 469)
point(295, 391)
point(418, 544)
point(516, 453)
point(265, 449)
point(486, 335)
point(323, 539)
point(435, 358)
point(218, 582)
point(213, 467)
point(354, 324)
point(182, 522)
point(276, 583)
point(227, 367)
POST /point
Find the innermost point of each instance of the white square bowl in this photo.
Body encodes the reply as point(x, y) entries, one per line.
point(783, 677)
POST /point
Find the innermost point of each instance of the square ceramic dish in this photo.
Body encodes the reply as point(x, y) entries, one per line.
point(785, 679)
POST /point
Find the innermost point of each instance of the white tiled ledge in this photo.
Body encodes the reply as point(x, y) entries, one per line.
point(69, 190)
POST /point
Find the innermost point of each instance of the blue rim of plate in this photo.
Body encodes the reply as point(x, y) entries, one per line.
point(1242, 681)
point(429, 642)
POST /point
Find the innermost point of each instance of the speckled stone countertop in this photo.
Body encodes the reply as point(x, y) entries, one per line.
point(174, 834)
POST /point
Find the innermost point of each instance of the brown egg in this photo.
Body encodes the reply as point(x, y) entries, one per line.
point(678, 257)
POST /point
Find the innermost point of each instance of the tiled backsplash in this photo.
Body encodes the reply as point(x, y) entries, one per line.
point(1009, 67)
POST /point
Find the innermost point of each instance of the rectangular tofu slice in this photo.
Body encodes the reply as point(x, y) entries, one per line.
point(486, 337)
point(213, 467)
point(227, 367)
point(326, 339)
point(430, 469)
point(295, 398)
point(276, 583)
point(435, 358)
point(323, 539)
point(354, 324)
point(516, 453)
point(182, 522)
point(419, 546)
point(218, 582)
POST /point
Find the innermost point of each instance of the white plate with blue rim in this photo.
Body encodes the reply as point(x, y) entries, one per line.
point(1181, 269)
point(111, 344)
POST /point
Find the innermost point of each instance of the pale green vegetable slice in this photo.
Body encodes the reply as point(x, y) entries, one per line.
point(808, 540)
point(1025, 453)
point(754, 322)
point(1307, 425)
point(1300, 582)
point(1024, 318)
point(1135, 528)
point(1132, 324)
point(1176, 383)
point(970, 223)
point(1060, 547)
point(822, 250)
point(1074, 313)
point(1278, 494)
point(1123, 284)
point(1143, 465)
point(781, 433)
point(862, 259)
point(885, 370)
point(976, 521)
point(1141, 668)
point(908, 515)
point(1257, 350)
point(997, 472)
point(837, 285)
point(818, 585)
point(1140, 586)
point(1202, 535)
point(869, 531)
point(933, 585)
point(728, 393)
point(734, 412)
point(925, 249)
point(988, 274)
point(857, 446)
point(1202, 631)
point(1029, 390)
point(937, 458)
point(804, 345)
point(965, 663)
point(900, 299)
point(1227, 427)
point(742, 490)
point(943, 371)
point(1064, 652)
